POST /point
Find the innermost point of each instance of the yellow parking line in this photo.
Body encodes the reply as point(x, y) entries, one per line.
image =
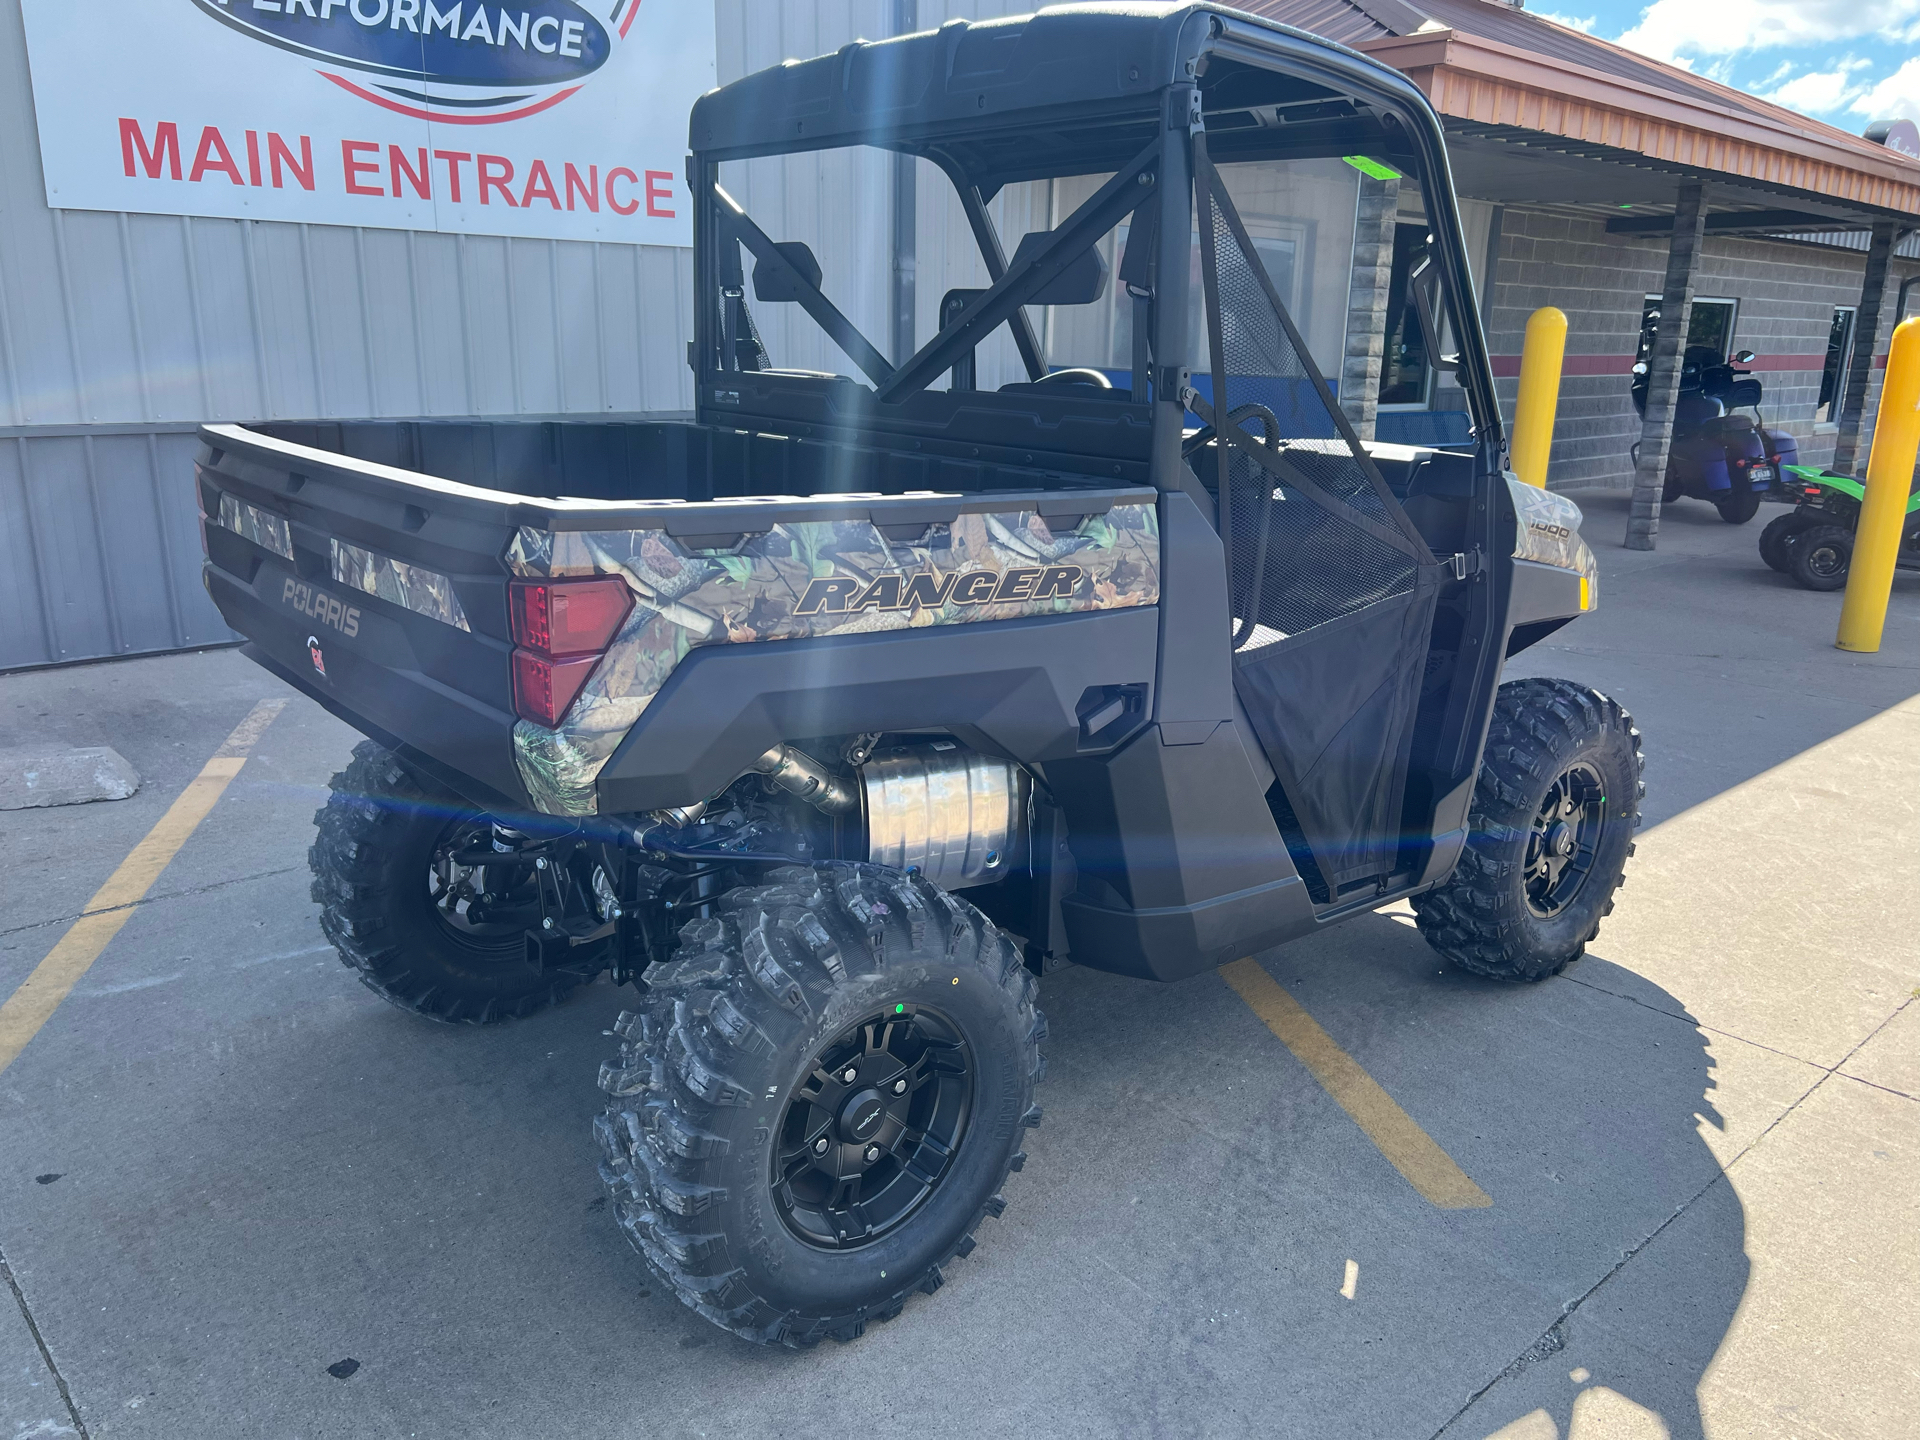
point(40, 994)
point(1410, 1150)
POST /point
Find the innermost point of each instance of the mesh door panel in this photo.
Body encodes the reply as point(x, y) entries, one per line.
point(1316, 566)
point(1332, 588)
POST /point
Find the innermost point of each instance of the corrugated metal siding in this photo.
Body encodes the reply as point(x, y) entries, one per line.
point(121, 319)
point(151, 324)
point(102, 549)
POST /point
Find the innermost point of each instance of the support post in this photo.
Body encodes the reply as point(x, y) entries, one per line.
point(1663, 367)
point(1173, 346)
point(1376, 213)
point(905, 228)
point(1883, 514)
point(1541, 359)
point(1869, 323)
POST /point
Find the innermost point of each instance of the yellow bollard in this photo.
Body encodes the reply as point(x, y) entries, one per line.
point(1876, 543)
point(1533, 412)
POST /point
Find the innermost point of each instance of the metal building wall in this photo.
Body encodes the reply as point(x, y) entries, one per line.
point(120, 332)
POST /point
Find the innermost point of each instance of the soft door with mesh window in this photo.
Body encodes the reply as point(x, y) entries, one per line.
point(1332, 587)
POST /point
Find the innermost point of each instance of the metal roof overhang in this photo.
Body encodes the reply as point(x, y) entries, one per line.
point(1534, 129)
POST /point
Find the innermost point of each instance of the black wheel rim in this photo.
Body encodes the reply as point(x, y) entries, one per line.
point(485, 908)
point(1564, 840)
point(1824, 560)
point(854, 1158)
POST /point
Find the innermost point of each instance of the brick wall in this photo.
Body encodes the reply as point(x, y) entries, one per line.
point(1786, 291)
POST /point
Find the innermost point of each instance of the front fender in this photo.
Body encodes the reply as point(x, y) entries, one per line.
point(1555, 576)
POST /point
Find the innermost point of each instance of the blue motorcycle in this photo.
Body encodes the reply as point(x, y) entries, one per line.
point(1730, 460)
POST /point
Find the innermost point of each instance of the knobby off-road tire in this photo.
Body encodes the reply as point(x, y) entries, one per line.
point(371, 861)
point(1507, 912)
point(1820, 557)
point(740, 1026)
point(1776, 540)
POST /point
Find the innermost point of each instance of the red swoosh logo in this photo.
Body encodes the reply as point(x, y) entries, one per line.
point(440, 117)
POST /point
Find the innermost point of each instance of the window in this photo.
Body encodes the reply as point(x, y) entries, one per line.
point(1710, 323)
point(1833, 378)
point(1285, 207)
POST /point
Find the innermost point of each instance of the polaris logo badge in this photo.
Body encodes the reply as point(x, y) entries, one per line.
point(837, 595)
point(319, 605)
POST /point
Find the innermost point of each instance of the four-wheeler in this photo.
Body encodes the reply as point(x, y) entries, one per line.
point(830, 719)
point(1814, 541)
point(1716, 455)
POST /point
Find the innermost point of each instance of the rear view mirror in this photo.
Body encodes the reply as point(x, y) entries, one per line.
point(771, 282)
point(1079, 281)
point(1423, 293)
point(1743, 357)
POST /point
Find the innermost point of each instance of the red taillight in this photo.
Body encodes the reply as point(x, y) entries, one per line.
point(568, 617)
point(544, 690)
point(562, 627)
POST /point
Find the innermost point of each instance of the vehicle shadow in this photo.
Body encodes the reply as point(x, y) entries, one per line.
point(1610, 1261)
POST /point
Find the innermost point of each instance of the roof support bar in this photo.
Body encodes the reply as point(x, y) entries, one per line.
point(1113, 200)
point(1870, 327)
point(1663, 368)
point(825, 313)
point(987, 237)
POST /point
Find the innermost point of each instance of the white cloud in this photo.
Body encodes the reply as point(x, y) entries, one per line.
point(1894, 98)
point(1584, 26)
point(1822, 92)
point(1670, 29)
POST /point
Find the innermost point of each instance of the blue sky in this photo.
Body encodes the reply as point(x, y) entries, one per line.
point(1848, 62)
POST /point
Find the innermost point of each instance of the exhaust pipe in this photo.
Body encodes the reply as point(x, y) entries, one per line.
point(806, 777)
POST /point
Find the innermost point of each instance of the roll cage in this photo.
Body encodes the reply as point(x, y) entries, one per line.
point(1147, 94)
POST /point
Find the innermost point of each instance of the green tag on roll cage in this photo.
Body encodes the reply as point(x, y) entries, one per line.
point(1371, 167)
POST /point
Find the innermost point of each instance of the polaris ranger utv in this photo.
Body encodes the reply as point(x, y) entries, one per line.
point(832, 718)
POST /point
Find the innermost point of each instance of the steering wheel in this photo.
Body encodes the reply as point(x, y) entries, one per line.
point(1079, 376)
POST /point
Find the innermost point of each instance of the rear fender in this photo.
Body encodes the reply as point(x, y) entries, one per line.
point(1018, 689)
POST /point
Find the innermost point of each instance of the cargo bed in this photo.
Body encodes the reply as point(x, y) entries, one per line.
point(369, 564)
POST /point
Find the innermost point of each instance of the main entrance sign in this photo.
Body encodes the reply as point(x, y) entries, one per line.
point(561, 119)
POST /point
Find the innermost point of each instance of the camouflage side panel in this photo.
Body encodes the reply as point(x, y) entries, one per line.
point(264, 528)
point(809, 578)
point(425, 592)
point(1547, 531)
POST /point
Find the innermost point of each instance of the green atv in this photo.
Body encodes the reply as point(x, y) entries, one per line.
point(1814, 544)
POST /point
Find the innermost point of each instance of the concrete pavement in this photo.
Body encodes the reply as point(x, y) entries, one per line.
point(1700, 1142)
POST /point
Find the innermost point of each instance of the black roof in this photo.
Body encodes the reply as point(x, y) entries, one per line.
point(1100, 68)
